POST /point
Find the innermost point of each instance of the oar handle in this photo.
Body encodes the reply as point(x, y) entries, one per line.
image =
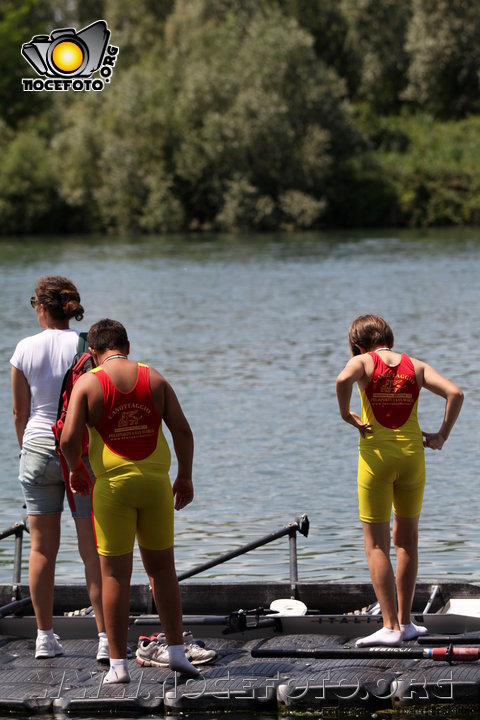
point(452, 654)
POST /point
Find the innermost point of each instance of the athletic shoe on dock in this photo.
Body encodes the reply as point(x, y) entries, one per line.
point(103, 652)
point(153, 651)
point(47, 647)
point(196, 651)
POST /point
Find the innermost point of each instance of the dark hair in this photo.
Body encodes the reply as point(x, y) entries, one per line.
point(368, 332)
point(60, 297)
point(107, 334)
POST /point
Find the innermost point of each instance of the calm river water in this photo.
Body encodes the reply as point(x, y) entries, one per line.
point(251, 332)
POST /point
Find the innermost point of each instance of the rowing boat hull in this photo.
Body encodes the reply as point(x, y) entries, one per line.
point(236, 610)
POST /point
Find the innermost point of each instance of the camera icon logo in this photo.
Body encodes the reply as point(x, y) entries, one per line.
point(66, 53)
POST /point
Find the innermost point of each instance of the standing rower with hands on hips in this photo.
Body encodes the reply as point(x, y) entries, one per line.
point(391, 464)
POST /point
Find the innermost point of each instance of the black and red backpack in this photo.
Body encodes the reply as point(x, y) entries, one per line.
point(82, 362)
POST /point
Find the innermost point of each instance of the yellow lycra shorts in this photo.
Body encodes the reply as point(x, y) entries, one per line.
point(386, 479)
point(129, 506)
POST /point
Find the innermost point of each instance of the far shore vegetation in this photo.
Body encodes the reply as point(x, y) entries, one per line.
point(247, 115)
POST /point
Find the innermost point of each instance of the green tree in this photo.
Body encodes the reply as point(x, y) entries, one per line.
point(29, 202)
point(433, 169)
point(137, 28)
point(222, 124)
point(76, 159)
point(19, 21)
point(256, 115)
point(75, 13)
point(377, 32)
point(444, 45)
point(325, 20)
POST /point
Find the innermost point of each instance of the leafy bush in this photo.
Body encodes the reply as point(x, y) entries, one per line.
point(437, 180)
point(443, 43)
point(29, 202)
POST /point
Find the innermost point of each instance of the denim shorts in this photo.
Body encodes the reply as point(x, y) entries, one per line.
point(81, 505)
point(42, 481)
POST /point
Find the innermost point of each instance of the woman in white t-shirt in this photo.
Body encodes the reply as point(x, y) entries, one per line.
point(38, 366)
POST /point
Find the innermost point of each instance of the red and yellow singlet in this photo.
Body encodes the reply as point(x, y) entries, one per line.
point(131, 460)
point(391, 467)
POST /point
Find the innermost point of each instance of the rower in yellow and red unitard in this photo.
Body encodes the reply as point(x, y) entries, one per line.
point(396, 476)
point(124, 404)
point(127, 449)
point(391, 465)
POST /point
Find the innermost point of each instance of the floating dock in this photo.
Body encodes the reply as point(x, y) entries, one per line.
point(235, 681)
point(264, 662)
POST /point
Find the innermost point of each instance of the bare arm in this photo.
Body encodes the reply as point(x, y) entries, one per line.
point(353, 372)
point(72, 435)
point(182, 437)
point(22, 401)
point(439, 385)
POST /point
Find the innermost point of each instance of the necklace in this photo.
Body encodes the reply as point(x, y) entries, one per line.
point(384, 348)
point(114, 357)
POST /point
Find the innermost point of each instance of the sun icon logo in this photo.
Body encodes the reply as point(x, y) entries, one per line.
point(68, 57)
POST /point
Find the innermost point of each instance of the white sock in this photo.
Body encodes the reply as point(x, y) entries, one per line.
point(384, 636)
point(118, 672)
point(412, 631)
point(45, 633)
point(178, 661)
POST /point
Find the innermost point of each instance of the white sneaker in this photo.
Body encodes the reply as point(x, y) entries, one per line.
point(197, 653)
point(152, 653)
point(47, 646)
point(103, 651)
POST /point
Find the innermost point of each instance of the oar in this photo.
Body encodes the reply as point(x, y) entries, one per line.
point(431, 599)
point(468, 638)
point(301, 524)
point(239, 621)
point(448, 654)
point(15, 605)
